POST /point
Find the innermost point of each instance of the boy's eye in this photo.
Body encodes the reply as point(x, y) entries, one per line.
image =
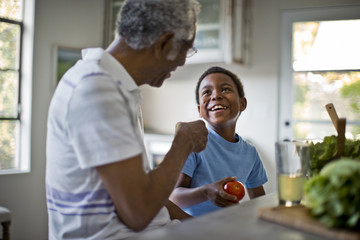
point(226, 89)
point(206, 92)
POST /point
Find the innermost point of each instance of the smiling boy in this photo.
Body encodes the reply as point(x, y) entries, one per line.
point(199, 190)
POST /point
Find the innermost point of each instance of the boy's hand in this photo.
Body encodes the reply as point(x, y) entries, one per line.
point(217, 195)
point(192, 134)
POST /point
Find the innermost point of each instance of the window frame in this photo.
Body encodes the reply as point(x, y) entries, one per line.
point(286, 94)
point(25, 70)
point(21, 25)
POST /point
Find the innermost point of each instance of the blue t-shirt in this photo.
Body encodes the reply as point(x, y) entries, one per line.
point(222, 159)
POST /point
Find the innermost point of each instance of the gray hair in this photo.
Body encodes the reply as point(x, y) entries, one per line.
point(142, 22)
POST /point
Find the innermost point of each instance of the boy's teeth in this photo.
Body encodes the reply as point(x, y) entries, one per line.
point(217, 107)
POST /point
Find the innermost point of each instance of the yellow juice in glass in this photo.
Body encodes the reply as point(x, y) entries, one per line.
point(290, 188)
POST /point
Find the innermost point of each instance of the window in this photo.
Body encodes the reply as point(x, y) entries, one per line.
point(16, 34)
point(319, 65)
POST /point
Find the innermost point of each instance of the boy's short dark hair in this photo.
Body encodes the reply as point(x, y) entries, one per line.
point(217, 69)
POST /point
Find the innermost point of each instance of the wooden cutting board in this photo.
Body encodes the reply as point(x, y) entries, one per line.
point(298, 217)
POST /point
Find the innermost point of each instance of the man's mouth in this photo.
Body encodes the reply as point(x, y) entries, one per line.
point(218, 107)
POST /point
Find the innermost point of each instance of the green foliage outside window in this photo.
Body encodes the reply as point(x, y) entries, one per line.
point(7, 144)
point(352, 93)
point(10, 31)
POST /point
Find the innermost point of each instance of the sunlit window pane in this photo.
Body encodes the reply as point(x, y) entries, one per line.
point(8, 94)
point(9, 45)
point(11, 9)
point(8, 135)
point(326, 45)
point(313, 90)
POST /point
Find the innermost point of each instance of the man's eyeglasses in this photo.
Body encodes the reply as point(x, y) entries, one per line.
point(191, 51)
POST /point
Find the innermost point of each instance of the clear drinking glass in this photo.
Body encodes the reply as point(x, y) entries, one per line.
point(292, 161)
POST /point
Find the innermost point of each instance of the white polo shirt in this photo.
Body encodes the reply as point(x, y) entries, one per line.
point(94, 119)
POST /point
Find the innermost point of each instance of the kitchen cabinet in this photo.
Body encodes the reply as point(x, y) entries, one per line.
point(222, 30)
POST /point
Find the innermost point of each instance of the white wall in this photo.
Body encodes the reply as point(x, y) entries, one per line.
point(79, 24)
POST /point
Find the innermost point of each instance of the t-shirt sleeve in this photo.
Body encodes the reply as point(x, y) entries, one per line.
point(99, 124)
point(257, 175)
point(190, 165)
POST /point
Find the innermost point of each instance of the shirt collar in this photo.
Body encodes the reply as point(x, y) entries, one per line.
point(114, 68)
point(220, 139)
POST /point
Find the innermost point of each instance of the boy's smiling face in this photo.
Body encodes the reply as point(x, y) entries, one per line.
point(220, 103)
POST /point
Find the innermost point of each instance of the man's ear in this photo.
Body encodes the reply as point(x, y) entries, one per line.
point(243, 104)
point(199, 110)
point(163, 45)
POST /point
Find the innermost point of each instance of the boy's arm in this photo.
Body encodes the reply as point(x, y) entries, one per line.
point(255, 192)
point(176, 212)
point(183, 196)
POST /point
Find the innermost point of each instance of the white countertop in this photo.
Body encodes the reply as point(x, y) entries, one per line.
point(236, 222)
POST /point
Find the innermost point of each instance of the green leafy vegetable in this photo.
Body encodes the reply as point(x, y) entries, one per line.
point(321, 152)
point(333, 195)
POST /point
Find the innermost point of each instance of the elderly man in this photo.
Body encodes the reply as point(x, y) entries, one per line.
point(98, 181)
